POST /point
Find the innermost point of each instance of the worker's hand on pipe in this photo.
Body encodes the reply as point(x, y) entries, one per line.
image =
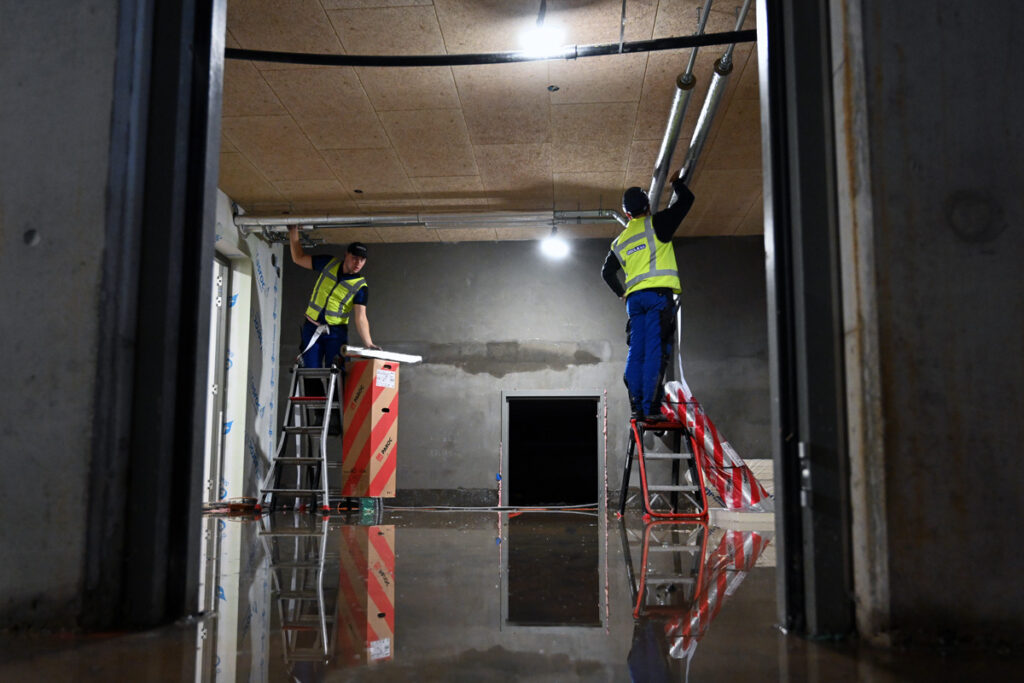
point(374, 347)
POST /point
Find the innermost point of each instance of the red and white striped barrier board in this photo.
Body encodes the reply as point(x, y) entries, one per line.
point(370, 438)
point(724, 570)
point(723, 468)
point(366, 598)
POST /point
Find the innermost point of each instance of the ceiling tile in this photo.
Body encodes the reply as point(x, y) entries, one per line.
point(376, 172)
point(586, 191)
point(366, 4)
point(453, 192)
point(226, 145)
point(505, 103)
point(663, 68)
point(246, 93)
point(737, 142)
point(484, 25)
point(591, 137)
point(722, 201)
point(431, 142)
point(241, 181)
point(409, 30)
point(282, 25)
point(753, 222)
point(679, 18)
point(314, 190)
point(614, 78)
point(516, 173)
point(330, 106)
point(599, 21)
point(409, 88)
point(277, 147)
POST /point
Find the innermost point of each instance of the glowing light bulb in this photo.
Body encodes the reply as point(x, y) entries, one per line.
point(554, 246)
point(542, 41)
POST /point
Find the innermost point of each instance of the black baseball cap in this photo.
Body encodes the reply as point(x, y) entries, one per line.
point(357, 249)
point(634, 201)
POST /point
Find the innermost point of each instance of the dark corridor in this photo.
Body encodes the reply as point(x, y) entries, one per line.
point(553, 453)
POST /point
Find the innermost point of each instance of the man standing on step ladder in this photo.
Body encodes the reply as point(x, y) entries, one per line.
point(340, 293)
point(644, 251)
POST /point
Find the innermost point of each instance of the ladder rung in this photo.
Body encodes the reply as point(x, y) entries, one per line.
point(666, 580)
point(667, 456)
point(292, 532)
point(307, 620)
point(673, 488)
point(309, 399)
point(290, 429)
point(295, 565)
point(298, 595)
point(295, 492)
point(674, 549)
point(299, 460)
point(313, 372)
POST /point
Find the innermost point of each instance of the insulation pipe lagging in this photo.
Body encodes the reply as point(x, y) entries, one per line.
point(723, 67)
point(677, 112)
point(277, 226)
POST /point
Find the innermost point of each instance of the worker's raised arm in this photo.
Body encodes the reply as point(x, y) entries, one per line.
point(363, 326)
point(299, 255)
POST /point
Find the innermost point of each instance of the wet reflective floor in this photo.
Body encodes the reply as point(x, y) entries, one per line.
point(412, 595)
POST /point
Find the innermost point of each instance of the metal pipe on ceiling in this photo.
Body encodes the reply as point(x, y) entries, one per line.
point(677, 112)
point(275, 228)
point(723, 68)
point(568, 52)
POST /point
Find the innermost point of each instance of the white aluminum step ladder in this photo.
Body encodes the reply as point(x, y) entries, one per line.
point(306, 424)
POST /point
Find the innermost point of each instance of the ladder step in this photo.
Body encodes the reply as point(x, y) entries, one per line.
point(295, 565)
point(307, 620)
point(292, 532)
point(298, 595)
point(300, 460)
point(316, 430)
point(666, 580)
point(309, 399)
point(292, 492)
point(667, 456)
point(674, 549)
point(672, 488)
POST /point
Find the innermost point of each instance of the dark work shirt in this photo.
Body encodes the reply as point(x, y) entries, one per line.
point(665, 224)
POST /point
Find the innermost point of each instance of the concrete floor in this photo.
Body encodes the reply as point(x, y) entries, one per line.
point(480, 596)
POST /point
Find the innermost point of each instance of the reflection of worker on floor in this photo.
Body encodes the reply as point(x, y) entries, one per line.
point(644, 251)
point(340, 293)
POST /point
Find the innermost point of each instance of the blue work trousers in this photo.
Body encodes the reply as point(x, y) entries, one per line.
point(326, 348)
point(650, 330)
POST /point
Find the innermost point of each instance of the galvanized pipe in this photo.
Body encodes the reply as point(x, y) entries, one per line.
point(677, 112)
point(276, 227)
point(723, 68)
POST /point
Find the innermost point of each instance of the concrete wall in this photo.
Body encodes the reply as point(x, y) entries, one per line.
point(55, 58)
point(940, 223)
point(489, 317)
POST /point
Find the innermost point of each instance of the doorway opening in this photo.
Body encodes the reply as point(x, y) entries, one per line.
point(552, 456)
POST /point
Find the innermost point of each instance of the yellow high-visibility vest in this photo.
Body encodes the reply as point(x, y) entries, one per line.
point(333, 296)
point(647, 261)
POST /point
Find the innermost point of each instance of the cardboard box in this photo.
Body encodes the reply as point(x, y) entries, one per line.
point(366, 594)
point(370, 437)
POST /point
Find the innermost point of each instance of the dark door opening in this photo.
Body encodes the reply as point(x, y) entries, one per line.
point(552, 451)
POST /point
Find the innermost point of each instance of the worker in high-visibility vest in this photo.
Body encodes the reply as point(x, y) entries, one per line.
point(340, 295)
point(645, 253)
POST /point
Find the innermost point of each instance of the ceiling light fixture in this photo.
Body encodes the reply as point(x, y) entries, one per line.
point(554, 245)
point(542, 40)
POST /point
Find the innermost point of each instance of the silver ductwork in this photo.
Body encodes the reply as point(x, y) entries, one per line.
point(677, 112)
point(275, 228)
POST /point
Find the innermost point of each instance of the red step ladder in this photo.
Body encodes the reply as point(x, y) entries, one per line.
point(678, 488)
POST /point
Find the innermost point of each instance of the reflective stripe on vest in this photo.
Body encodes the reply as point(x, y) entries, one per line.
point(647, 261)
point(332, 296)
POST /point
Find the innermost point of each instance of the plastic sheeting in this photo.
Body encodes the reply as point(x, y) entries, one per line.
point(723, 468)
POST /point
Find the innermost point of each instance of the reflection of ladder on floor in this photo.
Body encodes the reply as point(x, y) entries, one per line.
point(307, 423)
point(306, 608)
point(663, 500)
point(671, 566)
